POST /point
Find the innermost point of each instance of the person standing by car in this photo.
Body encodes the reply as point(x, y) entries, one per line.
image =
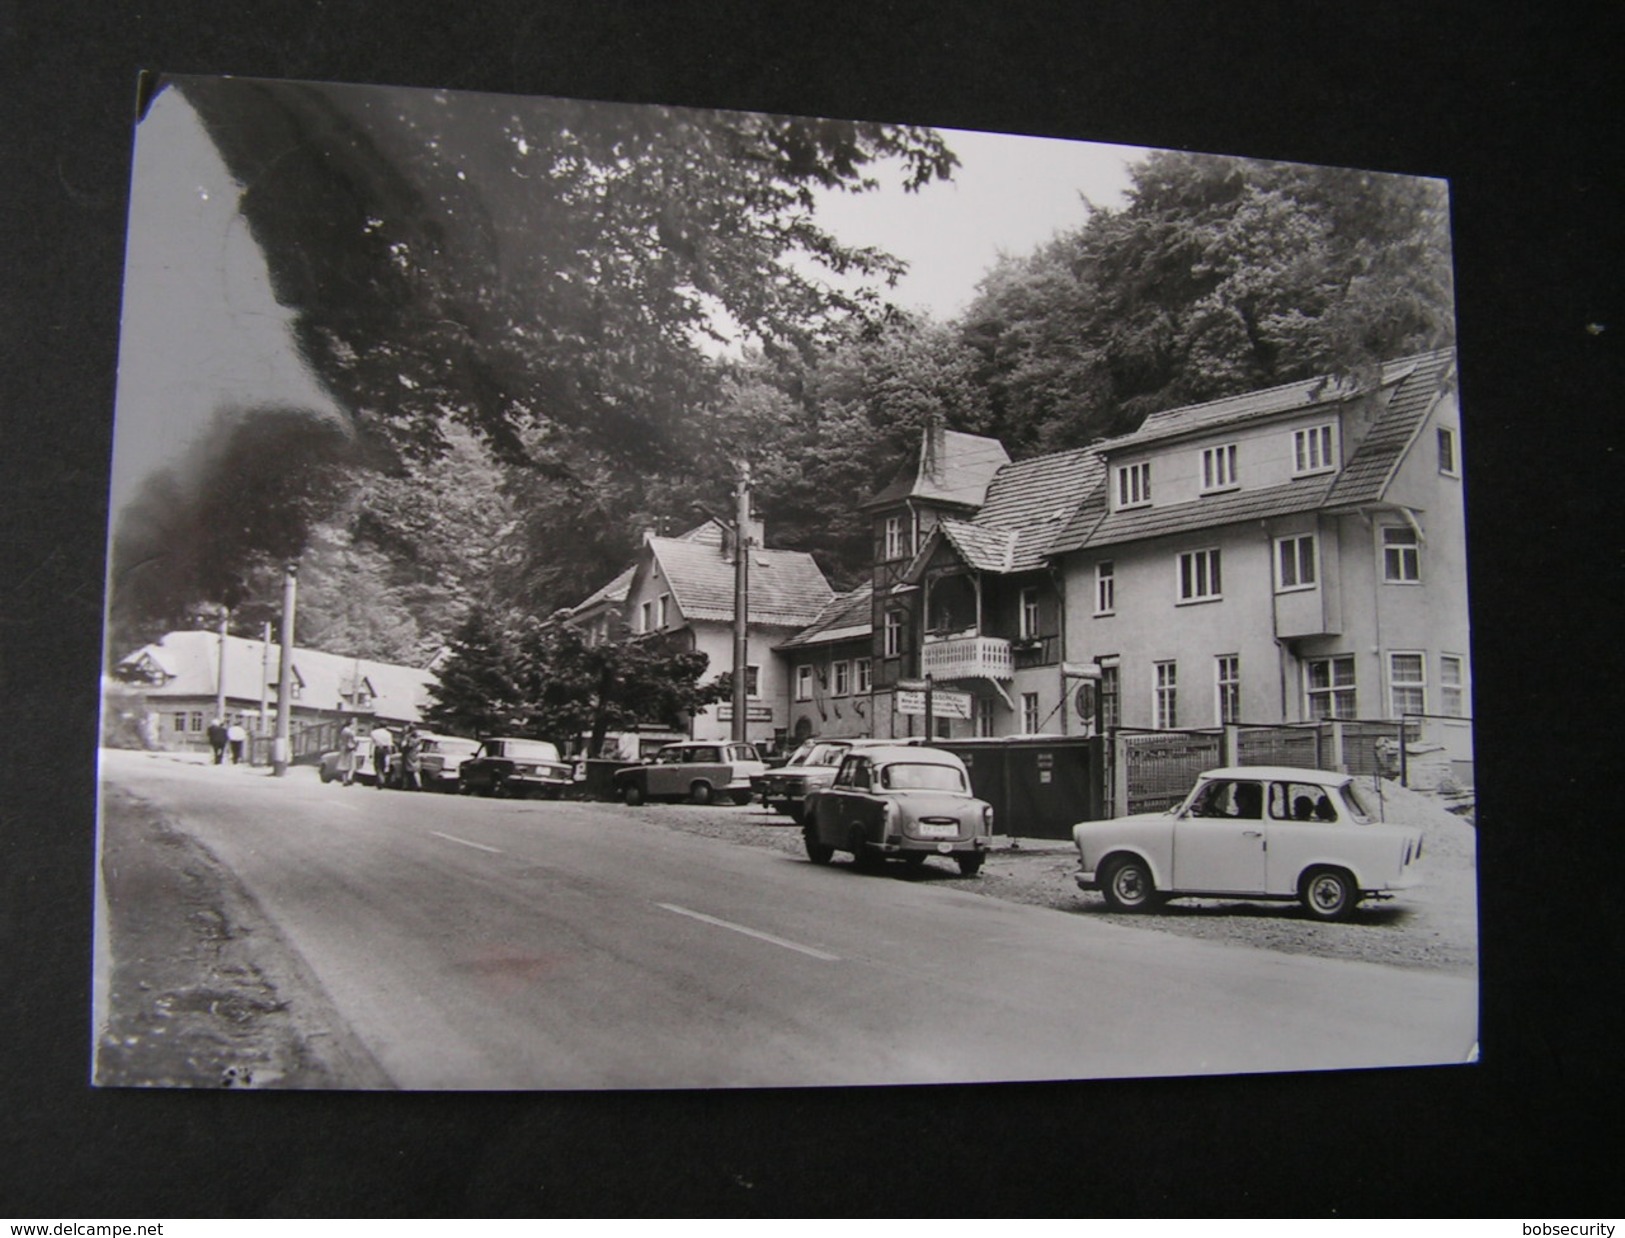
point(383, 741)
point(411, 758)
point(349, 747)
point(217, 740)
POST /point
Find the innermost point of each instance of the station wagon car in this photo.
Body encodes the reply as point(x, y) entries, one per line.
point(810, 766)
point(695, 771)
point(898, 801)
point(1254, 832)
point(519, 767)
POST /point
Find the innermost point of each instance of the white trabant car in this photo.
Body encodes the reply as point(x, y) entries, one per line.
point(1255, 832)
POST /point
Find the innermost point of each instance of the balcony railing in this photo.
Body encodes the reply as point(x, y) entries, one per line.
point(966, 657)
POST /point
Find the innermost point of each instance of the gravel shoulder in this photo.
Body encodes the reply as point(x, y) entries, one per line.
point(1433, 927)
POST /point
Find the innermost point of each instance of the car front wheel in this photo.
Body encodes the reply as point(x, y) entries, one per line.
point(632, 795)
point(1128, 885)
point(700, 793)
point(969, 865)
point(817, 852)
point(1329, 894)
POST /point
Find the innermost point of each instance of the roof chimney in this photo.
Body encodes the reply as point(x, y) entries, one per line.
point(934, 449)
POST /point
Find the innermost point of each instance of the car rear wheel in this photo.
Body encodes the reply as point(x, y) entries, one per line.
point(969, 865)
point(327, 774)
point(1328, 893)
point(862, 857)
point(817, 852)
point(700, 793)
point(1128, 885)
point(632, 795)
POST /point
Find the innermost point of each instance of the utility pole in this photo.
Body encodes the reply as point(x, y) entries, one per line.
point(284, 679)
point(741, 602)
point(220, 670)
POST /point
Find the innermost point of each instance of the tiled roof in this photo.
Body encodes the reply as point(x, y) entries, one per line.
point(1366, 476)
point(190, 662)
point(987, 550)
point(848, 615)
point(1036, 499)
point(787, 589)
point(1250, 406)
point(963, 466)
point(614, 592)
point(1209, 513)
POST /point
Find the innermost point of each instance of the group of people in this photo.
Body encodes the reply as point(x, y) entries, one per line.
point(407, 751)
point(223, 737)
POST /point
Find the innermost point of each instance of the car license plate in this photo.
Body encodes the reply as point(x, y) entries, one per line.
point(939, 829)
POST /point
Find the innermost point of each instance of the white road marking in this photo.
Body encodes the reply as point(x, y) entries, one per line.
point(750, 932)
point(451, 838)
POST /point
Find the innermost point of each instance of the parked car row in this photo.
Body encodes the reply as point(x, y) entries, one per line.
point(1270, 833)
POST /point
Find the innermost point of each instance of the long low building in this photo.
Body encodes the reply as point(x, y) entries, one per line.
point(173, 687)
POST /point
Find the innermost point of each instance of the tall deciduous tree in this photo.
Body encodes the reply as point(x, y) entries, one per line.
point(1220, 276)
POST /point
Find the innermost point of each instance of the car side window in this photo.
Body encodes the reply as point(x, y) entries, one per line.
point(1230, 800)
point(1300, 801)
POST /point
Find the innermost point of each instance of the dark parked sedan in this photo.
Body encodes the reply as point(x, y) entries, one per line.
point(519, 767)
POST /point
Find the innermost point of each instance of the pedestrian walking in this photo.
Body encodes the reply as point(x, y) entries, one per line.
point(411, 758)
point(236, 736)
point(217, 740)
point(350, 750)
point(383, 742)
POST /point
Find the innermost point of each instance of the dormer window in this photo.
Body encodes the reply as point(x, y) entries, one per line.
point(1134, 484)
point(1313, 450)
point(1219, 468)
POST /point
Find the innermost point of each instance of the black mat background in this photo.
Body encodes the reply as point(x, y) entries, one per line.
point(1519, 108)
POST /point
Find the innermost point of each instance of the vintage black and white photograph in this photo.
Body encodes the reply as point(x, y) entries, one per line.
point(621, 596)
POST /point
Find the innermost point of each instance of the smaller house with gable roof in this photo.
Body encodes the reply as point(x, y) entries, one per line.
point(684, 586)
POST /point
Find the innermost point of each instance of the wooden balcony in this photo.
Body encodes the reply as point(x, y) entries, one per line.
point(966, 657)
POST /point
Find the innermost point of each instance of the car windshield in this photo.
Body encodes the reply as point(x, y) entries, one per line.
point(1364, 804)
point(823, 754)
point(527, 749)
point(451, 745)
point(919, 776)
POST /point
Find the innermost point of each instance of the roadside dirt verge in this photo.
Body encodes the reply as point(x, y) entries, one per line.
point(203, 991)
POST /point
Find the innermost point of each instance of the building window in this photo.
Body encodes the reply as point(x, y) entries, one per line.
point(1165, 696)
point(1219, 468)
point(1313, 450)
point(646, 618)
point(1295, 563)
point(1329, 686)
point(896, 537)
point(1105, 588)
point(804, 683)
point(1448, 464)
point(1401, 555)
point(1134, 484)
point(863, 673)
point(195, 722)
point(1199, 576)
point(180, 723)
point(1029, 713)
point(1227, 668)
point(984, 717)
point(1029, 614)
point(753, 681)
point(1111, 710)
point(1452, 685)
point(663, 611)
point(892, 634)
point(1407, 684)
point(843, 678)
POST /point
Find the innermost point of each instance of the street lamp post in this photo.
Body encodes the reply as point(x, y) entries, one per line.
point(284, 679)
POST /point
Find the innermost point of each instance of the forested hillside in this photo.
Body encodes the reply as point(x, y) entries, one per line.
point(523, 332)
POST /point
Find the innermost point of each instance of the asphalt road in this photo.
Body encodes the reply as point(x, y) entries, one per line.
point(482, 944)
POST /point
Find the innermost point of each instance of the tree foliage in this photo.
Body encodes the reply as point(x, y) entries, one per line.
point(546, 681)
point(1220, 276)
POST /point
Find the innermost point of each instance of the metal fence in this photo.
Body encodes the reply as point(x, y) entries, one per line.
point(1153, 770)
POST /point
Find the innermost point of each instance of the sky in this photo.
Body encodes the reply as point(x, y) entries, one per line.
point(1010, 195)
